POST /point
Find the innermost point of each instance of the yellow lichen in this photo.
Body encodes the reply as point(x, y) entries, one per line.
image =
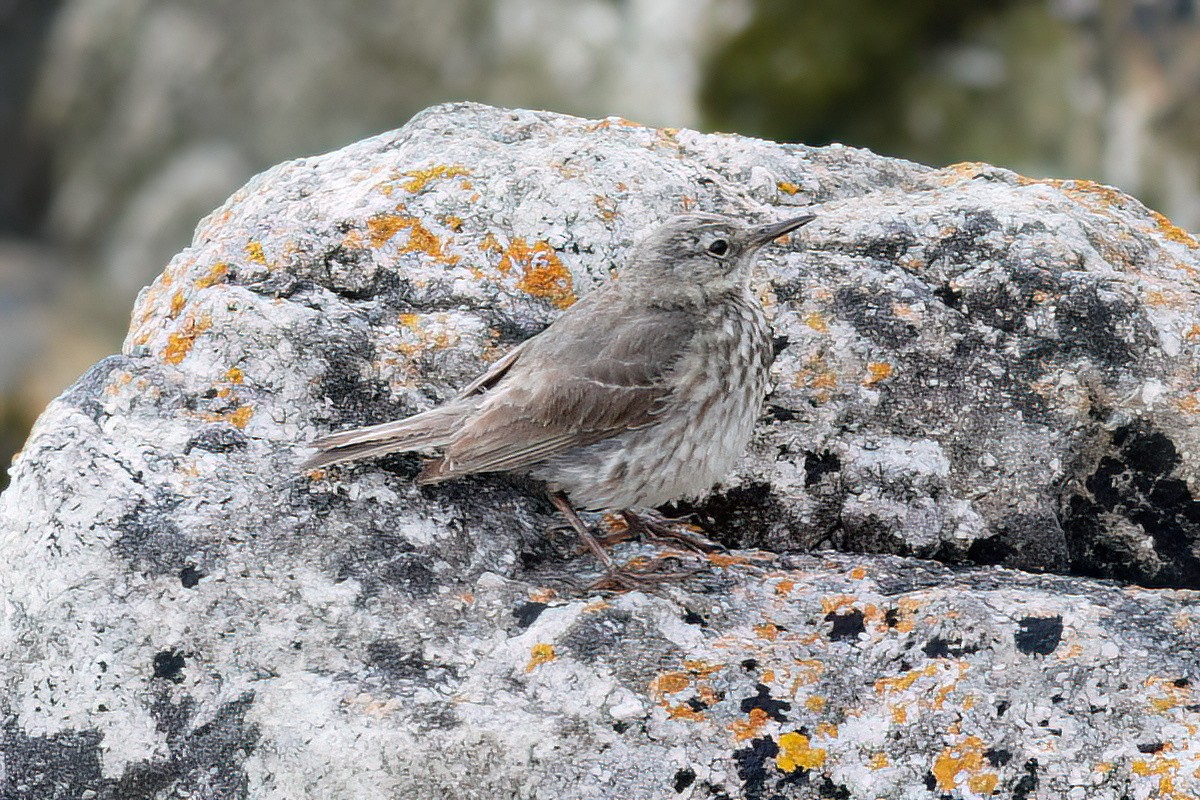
point(815, 703)
point(179, 344)
point(540, 654)
point(238, 417)
point(418, 179)
point(984, 783)
point(217, 273)
point(254, 251)
point(787, 187)
point(796, 752)
point(877, 371)
point(878, 761)
point(178, 301)
point(967, 756)
point(234, 375)
point(816, 322)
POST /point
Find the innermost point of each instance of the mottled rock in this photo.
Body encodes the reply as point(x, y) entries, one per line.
point(972, 366)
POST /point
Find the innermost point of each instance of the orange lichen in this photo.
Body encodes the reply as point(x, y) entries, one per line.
point(899, 714)
point(701, 668)
point(750, 727)
point(254, 251)
point(178, 301)
point(905, 681)
point(833, 603)
point(418, 179)
point(968, 757)
point(766, 630)
point(906, 610)
point(796, 752)
point(217, 273)
point(1172, 232)
point(858, 573)
point(984, 783)
point(784, 587)
point(381, 228)
point(540, 654)
point(877, 371)
point(670, 683)
point(238, 417)
point(809, 670)
point(727, 559)
point(179, 344)
point(787, 187)
point(816, 322)
point(490, 244)
point(542, 272)
point(606, 207)
point(708, 695)
point(966, 170)
point(685, 712)
point(609, 122)
point(1169, 695)
point(234, 375)
point(543, 595)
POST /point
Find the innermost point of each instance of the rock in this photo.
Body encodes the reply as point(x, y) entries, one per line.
point(972, 366)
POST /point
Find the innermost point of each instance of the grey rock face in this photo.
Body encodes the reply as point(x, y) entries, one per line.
point(972, 366)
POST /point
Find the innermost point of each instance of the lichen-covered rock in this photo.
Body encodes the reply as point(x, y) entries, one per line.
point(972, 366)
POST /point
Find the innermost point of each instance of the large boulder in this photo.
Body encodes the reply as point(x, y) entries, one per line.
point(973, 367)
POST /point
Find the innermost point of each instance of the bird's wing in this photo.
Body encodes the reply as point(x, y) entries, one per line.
point(587, 377)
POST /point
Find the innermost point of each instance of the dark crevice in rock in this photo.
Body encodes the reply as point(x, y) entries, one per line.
point(1134, 485)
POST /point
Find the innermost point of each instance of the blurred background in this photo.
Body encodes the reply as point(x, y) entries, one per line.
point(123, 122)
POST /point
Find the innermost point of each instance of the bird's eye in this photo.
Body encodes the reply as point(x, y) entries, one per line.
point(719, 247)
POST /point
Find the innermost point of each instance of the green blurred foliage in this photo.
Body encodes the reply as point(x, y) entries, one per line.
point(864, 72)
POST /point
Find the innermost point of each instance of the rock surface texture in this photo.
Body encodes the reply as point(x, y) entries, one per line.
point(973, 367)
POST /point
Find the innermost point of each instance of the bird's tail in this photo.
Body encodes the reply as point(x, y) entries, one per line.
point(433, 428)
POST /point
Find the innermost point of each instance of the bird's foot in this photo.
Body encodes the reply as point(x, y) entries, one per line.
point(657, 529)
point(641, 574)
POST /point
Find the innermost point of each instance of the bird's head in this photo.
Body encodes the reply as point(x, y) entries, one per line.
point(704, 253)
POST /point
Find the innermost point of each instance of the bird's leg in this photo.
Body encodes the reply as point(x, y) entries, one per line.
point(560, 501)
point(614, 576)
point(656, 528)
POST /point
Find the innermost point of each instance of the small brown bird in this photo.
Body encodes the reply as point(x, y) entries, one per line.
point(643, 392)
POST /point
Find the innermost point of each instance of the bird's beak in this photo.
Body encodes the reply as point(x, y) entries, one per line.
point(773, 230)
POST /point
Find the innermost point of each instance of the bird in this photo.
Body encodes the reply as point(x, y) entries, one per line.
point(643, 392)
